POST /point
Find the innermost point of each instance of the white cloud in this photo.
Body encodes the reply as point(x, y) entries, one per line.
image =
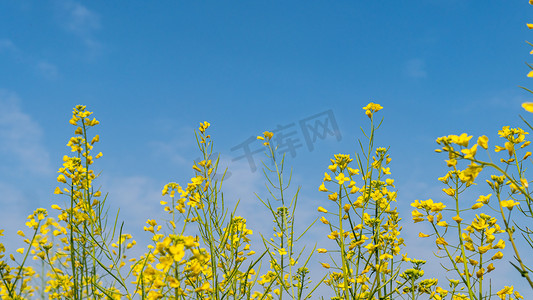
point(47, 70)
point(11, 200)
point(169, 152)
point(138, 199)
point(137, 196)
point(6, 44)
point(43, 68)
point(21, 137)
point(80, 21)
point(505, 99)
point(415, 68)
point(15, 209)
point(180, 140)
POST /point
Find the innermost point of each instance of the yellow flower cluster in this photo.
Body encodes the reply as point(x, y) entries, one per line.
point(476, 238)
point(205, 271)
point(371, 108)
point(362, 221)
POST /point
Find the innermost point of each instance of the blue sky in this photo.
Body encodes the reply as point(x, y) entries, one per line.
point(152, 71)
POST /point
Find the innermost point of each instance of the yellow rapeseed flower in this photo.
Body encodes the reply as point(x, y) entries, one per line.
point(479, 273)
point(196, 168)
point(470, 153)
point(441, 291)
point(528, 106)
point(484, 249)
point(327, 177)
point(417, 216)
point(341, 179)
point(353, 171)
point(509, 204)
point(204, 286)
point(61, 178)
point(333, 197)
point(354, 190)
point(385, 256)
point(268, 135)
point(95, 139)
point(451, 163)
point(477, 205)
point(499, 245)
point(371, 108)
point(347, 207)
point(333, 235)
point(528, 154)
point(442, 224)
point(484, 199)
point(204, 126)
point(441, 241)
point(461, 140)
point(483, 142)
point(449, 191)
point(457, 219)
point(505, 291)
point(498, 255)
point(490, 268)
point(524, 182)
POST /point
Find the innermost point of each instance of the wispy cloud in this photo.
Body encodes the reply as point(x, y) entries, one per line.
point(180, 141)
point(47, 70)
point(509, 99)
point(15, 209)
point(21, 137)
point(170, 152)
point(80, 21)
point(241, 184)
point(415, 68)
point(42, 67)
point(7, 44)
point(137, 197)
